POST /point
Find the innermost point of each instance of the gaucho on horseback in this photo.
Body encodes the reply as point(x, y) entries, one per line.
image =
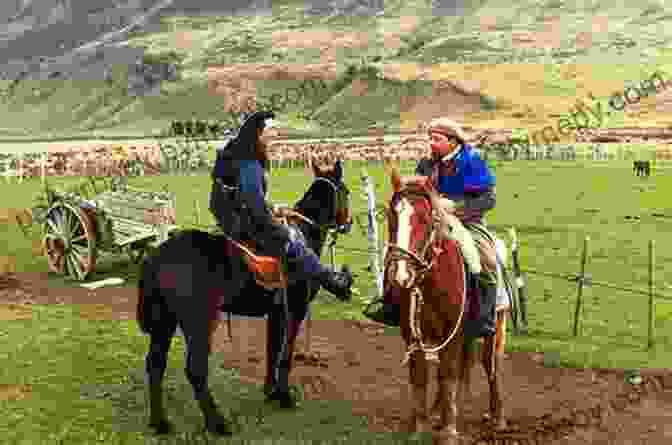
point(238, 203)
point(462, 176)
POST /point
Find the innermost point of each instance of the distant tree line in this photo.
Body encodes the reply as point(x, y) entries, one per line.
point(197, 129)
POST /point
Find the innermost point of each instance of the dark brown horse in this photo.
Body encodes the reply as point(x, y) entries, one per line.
point(195, 275)
point(432, 307)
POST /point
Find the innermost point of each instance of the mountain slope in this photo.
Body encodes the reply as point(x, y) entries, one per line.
point(395, 68)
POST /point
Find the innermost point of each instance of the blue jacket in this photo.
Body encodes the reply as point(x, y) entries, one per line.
point(472, 182)
point(472, 175)
point(245, 174)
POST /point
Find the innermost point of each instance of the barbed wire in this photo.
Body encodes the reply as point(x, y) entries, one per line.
point(571, 277)
point(588, 281)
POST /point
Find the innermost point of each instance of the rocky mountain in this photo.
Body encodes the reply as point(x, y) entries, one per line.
point(83, 39)
point(389, 63)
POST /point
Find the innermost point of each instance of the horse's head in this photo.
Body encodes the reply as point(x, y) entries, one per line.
point(327, 201)
point(411, 228)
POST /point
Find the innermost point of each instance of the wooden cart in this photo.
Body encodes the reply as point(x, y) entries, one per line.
point(121, 220)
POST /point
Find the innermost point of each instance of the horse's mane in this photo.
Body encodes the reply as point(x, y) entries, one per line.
point(309, 195)
point(417, 185)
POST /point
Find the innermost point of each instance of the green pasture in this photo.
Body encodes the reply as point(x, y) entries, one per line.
point(86, 372)
point(83, 384)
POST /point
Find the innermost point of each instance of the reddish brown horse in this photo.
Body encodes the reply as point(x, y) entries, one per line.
point(430, 276)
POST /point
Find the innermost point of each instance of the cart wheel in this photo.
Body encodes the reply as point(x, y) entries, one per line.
point(136, 253)
point(69, 241)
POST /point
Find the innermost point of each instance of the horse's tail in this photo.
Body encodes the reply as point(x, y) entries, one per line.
point(145, 294)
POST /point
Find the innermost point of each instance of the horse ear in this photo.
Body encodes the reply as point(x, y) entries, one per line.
point(395, 178)
point(317, 171)
point(428, 185)
point(338, 169)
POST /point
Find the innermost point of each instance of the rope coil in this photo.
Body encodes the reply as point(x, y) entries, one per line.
point(397, 253)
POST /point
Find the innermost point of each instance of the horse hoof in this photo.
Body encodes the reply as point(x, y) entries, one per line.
point(284, 399)
point(449, 436)
point(501, 425)
point(161, 427)
point(436, 411)
point(219, 425)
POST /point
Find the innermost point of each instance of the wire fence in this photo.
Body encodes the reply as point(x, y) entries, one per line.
point(582, 279)
point(181, 158)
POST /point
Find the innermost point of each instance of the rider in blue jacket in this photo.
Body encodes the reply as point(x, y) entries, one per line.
point(238, 203)
point(461, 175)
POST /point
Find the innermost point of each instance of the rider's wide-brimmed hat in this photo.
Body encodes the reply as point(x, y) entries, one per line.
point(449, 128)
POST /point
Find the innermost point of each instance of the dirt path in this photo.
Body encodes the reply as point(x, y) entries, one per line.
point(358, 362)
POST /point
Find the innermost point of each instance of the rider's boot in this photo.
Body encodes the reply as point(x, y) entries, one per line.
point(304, 263)
point(387, 313)
point(486, 325)
point(386, 309)
point(338, 283)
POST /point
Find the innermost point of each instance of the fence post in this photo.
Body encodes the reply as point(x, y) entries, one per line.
point(652, 307)
point(581, 280)
point(520, 282)
point(332, 252)
point(374, 256)
point(197, 210)
point(43, 166)
point(20, 168)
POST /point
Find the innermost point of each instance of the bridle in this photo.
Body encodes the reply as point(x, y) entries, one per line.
point(340, 202)
point(329, 229)
point(421, 266)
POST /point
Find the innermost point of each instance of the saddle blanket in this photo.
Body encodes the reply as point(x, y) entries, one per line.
point(464, 239)
point(452, 228)
point(503, 300)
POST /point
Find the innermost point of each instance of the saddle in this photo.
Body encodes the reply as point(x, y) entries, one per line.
point(452, 229)
point(267, 270)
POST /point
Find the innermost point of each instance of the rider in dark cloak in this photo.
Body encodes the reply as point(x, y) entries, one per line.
point(238, 202)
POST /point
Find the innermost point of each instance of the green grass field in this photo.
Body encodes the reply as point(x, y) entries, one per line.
point(558, 203)
point(84, 385)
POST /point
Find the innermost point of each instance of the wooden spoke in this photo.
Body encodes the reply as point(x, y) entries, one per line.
point(76, 266)
point(70, 241)
point(136, 253)
point(79, 238)
point(54, 229)
point(54, 252)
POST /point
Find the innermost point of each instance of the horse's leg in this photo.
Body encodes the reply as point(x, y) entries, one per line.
point(270, 356)
point(450, 370)
point(469, 360)
point(268, 381)
point(155, 367)
point(420, 421)
point(197, 337)
point(492, 360)
point(278, 321)
point(294, 325)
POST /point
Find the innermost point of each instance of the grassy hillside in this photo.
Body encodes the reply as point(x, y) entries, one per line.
point(525, 65)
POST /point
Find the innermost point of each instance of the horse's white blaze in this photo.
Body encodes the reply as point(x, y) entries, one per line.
point(404, 211)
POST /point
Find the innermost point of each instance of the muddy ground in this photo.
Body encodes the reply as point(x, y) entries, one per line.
point(357, 362)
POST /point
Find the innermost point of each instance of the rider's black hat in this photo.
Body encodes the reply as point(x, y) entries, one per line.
point(243, 144)
point(255, 121)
